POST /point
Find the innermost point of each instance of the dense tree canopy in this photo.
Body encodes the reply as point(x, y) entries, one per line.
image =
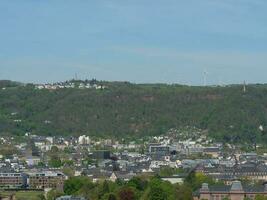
point(133, 110)
point(138, 188)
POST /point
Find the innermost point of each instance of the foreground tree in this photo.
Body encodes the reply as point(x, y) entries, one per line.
point(126, 193)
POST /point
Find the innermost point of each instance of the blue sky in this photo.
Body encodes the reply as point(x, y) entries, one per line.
point(171, 41)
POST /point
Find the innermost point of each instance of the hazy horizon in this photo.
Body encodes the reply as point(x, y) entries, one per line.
point(131, 82)
point(140, 41)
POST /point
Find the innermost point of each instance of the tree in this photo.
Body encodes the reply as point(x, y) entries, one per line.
point(104, 189)
point(75, 184)
point(109, 196)
point(40, 197)
point(183, 192)
point(156, 191)
point(195, 180)
point(260, 197)
point(55, 162)
point(54, 150)
point(53, 194)
point(168, 171)
point(120, 182)
point(126, 193)
point(68, 171)
point(137, 183)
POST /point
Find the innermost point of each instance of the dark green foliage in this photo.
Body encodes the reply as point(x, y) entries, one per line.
point(138, 183)
point(260, 197)
point(156, 193)
point(54, 150)
point(104, 189)
point(168, 171)
point(135, 189)
point(135, 110)
point(183, 192)
point(53, 194)
point(55, 162)
point(8, 84)
point(126, 193)
point(110, 196)
point(41, 197)
point(195, 180)
point(160, 190)
point(76, 184)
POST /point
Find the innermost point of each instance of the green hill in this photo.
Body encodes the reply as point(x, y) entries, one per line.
point(125, 109)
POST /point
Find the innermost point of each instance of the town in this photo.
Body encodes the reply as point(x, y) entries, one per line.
point(133, 100)
point(42, 163)
point(74, 84)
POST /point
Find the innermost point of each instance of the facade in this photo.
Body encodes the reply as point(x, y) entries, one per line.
point(70, 198)
point(84, 140)
point(44, 180)
point(212, 151)
point(32, 161)
point(12, 180)
point(101, 155)
point(173, 179)
point(250, 171)
point(159, 150)
point(125, 176)
point(234, 192)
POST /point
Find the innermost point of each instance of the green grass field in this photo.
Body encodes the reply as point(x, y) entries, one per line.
point(21, 195)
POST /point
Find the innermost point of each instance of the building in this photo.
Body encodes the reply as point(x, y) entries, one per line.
point(45, 180)
point(250, 171)
point(160, 150)
point(101, 155)
point(174, 179)
point(11, 180)
point(70, 198)
point(84, 140)
point(212, 151)
point(99, 175)
point(234, 192)
point(33, 160)
point(124, 176)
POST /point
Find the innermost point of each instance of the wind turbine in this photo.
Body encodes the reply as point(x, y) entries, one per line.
point(205, 74)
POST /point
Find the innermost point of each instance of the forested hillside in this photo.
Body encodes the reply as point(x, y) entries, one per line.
point(124, 109)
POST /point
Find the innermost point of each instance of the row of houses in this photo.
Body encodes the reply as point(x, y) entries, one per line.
point(235, 191)
point(32, 180)
point(69, 85)
point(227, 174)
